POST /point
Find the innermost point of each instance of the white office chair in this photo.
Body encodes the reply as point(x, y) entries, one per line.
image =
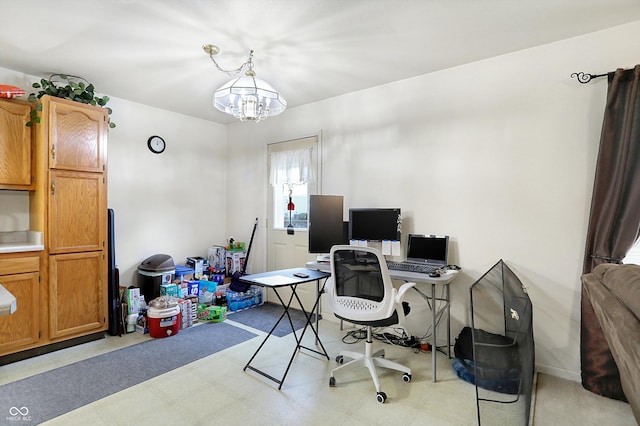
point(361, 292)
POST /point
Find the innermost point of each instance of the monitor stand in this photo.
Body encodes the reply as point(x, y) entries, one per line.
point(325, 257)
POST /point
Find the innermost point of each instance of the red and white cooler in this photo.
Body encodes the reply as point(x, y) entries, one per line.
point(163, 322)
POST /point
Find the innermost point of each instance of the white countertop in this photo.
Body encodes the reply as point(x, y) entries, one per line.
point(18, 241)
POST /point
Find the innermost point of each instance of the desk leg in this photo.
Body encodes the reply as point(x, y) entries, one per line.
point(318, 294)
point(308, 323)
point(448, 296)
point(434, 328)
point(285, 312)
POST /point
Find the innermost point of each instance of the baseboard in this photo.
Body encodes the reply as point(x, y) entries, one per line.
point(30, 353)
point(559, 372)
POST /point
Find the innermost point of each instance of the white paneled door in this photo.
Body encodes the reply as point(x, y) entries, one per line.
point(287, 236)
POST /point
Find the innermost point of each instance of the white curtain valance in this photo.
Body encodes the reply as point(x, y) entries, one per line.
point(291, 167)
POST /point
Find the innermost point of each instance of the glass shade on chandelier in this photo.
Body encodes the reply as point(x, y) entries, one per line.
point(249, 98)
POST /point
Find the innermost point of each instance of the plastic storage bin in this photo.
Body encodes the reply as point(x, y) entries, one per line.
point(184, 273)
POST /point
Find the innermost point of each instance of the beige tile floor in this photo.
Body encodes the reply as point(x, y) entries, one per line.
point(215, 390)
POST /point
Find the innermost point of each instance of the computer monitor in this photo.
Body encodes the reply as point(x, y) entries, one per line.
point(374, 224)
point(326, 226)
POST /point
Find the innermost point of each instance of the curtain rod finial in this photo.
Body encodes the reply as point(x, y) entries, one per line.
point(585, 77)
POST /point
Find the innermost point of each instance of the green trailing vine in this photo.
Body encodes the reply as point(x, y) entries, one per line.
point(79, 91)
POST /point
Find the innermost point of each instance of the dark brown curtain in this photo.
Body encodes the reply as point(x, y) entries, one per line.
point(614, 222)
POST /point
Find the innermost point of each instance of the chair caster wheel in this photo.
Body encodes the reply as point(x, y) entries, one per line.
point(406, 377)
point(381, 397)
point(332, 381)
point(339, 359)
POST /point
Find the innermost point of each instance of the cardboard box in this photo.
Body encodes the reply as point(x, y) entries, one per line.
point(235, 261)
point(133, 299)
point(200, 266)
point(216, 255)
point(168, 290)
point(206, 291)
point(193, 288)
point(183, 289)
point(212, 313)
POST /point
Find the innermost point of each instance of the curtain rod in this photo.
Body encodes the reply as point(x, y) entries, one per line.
point(585, 77)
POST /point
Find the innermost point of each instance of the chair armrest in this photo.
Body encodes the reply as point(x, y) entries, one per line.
point(401, 292)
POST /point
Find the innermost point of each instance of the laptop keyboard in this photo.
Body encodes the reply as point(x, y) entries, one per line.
point(410, 267)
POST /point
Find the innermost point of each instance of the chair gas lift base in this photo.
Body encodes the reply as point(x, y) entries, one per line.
point(371, 360)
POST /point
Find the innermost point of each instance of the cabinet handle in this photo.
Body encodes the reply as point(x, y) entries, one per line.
point(53, 188)
point(53, 151)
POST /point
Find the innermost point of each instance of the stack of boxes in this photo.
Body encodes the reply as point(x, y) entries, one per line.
point(200, 287)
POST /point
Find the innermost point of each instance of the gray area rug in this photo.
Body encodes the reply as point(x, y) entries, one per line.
point(265, 316)
point(50, 394)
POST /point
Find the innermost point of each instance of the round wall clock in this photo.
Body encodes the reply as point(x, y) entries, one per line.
point(156, 144)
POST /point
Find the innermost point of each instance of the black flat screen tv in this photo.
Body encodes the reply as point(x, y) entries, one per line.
point(374, 224)
point(326, 227)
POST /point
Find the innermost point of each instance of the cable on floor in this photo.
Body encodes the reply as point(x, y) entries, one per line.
point(398, 338)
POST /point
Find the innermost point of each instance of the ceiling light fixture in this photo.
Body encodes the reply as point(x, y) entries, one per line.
point(247, 97)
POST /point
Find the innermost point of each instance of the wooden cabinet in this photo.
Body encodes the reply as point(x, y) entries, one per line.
point(19, 274)
point(77, 294)
point(69, 205)
point(61, 292)
point(76, 224)
point(16, 169)
point(77, 207)
point(77, 136)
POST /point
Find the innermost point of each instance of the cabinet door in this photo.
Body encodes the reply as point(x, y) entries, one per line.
point(77, 212)
point(23, 326)
point(77, 136)
point(77, 294)
point(15, 146)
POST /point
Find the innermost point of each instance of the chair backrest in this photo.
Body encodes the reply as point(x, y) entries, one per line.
point(362, 289)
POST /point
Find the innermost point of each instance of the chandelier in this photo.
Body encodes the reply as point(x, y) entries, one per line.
point(247, 97)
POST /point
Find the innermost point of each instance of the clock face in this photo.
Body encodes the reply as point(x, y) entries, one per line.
point(156, 144)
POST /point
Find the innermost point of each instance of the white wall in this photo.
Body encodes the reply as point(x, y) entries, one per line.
point(170, 203)
point(498, 154)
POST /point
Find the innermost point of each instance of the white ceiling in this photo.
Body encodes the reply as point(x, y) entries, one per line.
point(150, 51)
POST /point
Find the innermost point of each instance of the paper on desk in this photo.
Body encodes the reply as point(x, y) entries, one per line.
point(274, 280)
point(395, 248)
point(386, 247)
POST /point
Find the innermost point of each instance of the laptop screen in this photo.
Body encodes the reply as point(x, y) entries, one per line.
point(431, 249)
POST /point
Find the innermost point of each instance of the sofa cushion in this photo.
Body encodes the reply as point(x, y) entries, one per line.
point(622, 332)
point(623, 281)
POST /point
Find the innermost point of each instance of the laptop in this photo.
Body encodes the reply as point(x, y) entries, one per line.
point(425, 253)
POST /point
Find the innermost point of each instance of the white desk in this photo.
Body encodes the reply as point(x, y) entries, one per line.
point(419, 278)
